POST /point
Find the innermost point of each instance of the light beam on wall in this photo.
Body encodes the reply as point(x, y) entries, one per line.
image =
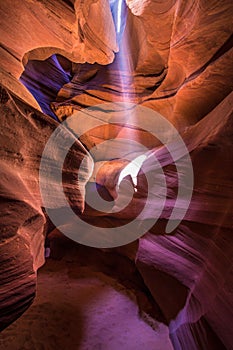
point(132, 169)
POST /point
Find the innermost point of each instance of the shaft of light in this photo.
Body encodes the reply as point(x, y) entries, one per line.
point(119, 10)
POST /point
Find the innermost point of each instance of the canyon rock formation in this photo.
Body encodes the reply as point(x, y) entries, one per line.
point(173, 57)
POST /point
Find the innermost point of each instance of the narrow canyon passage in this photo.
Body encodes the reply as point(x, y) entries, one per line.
point(116, 206)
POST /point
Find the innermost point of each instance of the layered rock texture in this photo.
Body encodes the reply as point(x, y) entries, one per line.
point(173, 57)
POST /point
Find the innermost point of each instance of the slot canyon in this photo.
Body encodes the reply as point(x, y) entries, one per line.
point(116, 186)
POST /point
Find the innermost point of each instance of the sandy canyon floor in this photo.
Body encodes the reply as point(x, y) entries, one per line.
point(78, 307)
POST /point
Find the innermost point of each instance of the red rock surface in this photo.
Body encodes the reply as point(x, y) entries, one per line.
point(179, 56)
point(23, 223)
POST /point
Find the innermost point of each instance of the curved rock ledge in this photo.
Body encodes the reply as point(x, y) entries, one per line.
point(179, 63)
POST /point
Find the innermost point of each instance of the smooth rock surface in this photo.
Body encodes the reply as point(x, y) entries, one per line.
point(176, 58)
point(22, 219)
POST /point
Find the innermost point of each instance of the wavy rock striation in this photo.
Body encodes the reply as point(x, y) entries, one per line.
point(23, 222)
point(179, 63)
